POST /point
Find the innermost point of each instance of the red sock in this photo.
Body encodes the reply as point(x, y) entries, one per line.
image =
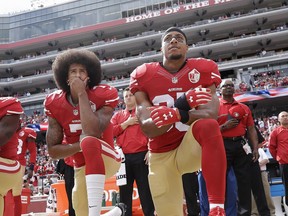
point(207, 133)
point(17, 206)
point(8, 204)
point(92, 152)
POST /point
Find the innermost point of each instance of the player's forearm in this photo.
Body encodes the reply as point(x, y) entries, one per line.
point(147, 125)
point(61, 151)
point(89, 121)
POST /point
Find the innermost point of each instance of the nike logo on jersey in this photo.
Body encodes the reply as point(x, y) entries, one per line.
point(93, 206)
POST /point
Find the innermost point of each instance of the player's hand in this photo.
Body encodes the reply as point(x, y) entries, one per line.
point(198, 96)
point(163, 115)
point(77, 85)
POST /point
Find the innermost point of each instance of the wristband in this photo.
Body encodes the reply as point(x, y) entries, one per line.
point(182, 104)
point(184, 116)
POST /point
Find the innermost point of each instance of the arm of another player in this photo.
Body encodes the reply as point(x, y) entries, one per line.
point(32, 149)
point(54, 137)
point(8, 126)
point(209, 110)
point(33, 153)
point(147, 125)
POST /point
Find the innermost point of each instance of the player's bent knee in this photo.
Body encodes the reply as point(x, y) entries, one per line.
point(204, 125)
point(89, 144)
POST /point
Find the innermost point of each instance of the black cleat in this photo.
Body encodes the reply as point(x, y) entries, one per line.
point(123, 207)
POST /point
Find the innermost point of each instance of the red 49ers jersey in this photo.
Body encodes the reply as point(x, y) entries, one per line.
point(163, 88)
point(23, 144)
point(10, 106)
point(68, 116)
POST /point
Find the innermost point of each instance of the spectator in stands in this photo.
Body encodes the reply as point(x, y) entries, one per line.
point(11, 172)
point(134, 144)
point(278, 147)
point(81, 112)
point(49, 167)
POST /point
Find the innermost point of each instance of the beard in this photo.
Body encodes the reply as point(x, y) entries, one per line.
point(175, 56)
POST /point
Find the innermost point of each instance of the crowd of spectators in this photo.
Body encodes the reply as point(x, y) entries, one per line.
point(263, 81)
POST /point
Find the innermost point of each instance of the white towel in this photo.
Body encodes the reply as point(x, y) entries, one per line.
point(121, 174)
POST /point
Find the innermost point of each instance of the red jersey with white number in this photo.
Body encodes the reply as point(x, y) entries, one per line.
point(163, 88)
point(25, 144)
point(10, 106)
point(68, 116)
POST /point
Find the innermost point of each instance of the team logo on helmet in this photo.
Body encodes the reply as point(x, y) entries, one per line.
point(194, 76)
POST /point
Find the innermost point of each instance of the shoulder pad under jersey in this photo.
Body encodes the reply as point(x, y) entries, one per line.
point(31, 133)
point(139, 71)
point(107, 93)
point(52, 97)
point(11, 105)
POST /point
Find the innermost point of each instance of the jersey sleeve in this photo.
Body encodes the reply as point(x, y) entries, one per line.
point(31, 133)
point(33, 151)
point(208, 70)
point(10, 106)
point(215, 74)
point(108, 94)
point(136, 77)
point(112, 99)
point(48, 103)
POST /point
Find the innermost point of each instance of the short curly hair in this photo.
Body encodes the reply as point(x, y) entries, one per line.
point(60, 67)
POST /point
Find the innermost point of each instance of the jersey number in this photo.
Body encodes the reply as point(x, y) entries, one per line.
point(169, 101)
point(20, 146)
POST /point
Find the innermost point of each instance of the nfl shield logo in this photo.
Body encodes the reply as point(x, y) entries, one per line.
point(75, 112)
point(194, 76)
